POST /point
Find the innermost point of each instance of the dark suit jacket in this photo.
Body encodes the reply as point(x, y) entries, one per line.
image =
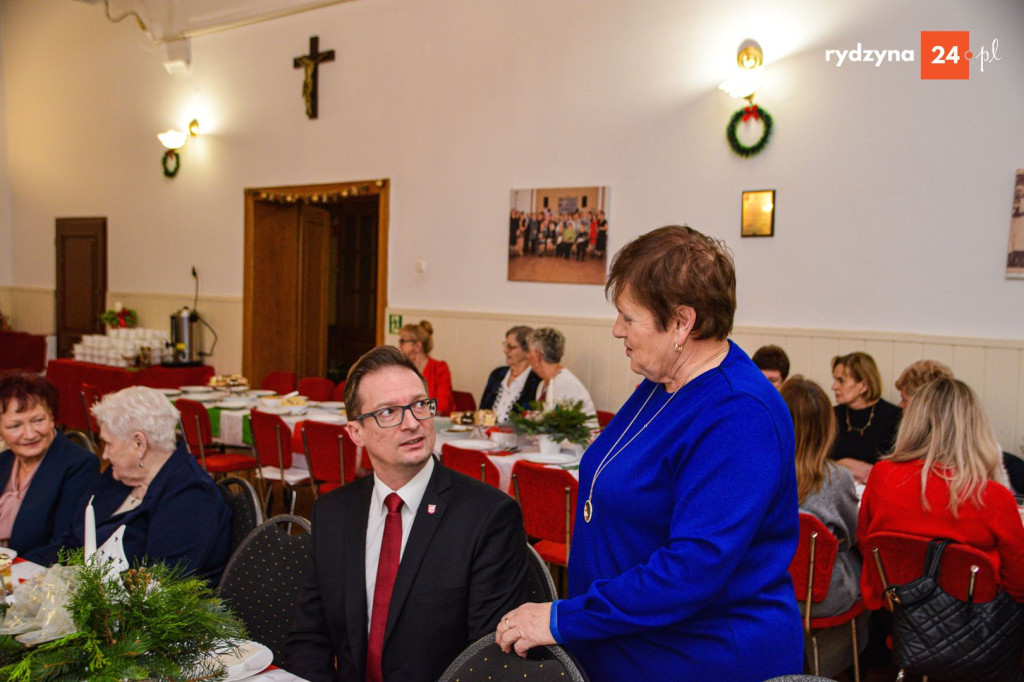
point(464, 567)
point(182, 519)
point(66, 472)
point(494, 385)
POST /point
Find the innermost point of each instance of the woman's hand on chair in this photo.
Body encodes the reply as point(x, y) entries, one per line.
point(524, 628)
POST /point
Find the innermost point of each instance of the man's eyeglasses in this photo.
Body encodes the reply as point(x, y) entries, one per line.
point(388, 417)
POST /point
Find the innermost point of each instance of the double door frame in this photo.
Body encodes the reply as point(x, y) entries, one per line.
point(317, 195)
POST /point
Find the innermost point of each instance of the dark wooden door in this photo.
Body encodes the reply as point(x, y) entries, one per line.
point(314, 243)
point(81, 280)
point(354, 256)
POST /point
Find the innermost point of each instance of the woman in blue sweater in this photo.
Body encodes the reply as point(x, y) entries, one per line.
point(687, 517)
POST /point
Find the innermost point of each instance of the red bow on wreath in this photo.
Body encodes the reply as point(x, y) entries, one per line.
point(751, 112)
point(122, 318)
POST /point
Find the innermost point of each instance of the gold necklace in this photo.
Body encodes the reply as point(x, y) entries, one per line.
point(859, 431)
point(588, 506)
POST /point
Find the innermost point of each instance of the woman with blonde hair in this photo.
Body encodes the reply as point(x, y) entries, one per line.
point(824, 488)
point(866, 424)
point(416, 341)
point(945, 480)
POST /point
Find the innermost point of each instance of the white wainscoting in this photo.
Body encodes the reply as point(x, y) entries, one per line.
point(994, 368)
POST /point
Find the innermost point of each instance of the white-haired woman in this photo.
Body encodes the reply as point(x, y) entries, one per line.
point(171, 509)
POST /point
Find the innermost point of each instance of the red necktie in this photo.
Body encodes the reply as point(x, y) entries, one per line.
point(387, 569)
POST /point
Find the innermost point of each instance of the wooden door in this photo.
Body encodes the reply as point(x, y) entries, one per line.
point(314, 242)
point(81, 247)
point(354, 264)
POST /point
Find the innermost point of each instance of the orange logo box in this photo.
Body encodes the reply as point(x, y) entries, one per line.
point(945, 55)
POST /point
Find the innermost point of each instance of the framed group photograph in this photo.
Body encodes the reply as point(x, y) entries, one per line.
point(758, 214)
point(1015, 250)
point(558, 234)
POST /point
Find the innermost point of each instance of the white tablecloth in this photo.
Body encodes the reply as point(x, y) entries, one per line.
point(505, 463)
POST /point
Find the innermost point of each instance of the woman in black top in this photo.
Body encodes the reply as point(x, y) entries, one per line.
point(866, 424)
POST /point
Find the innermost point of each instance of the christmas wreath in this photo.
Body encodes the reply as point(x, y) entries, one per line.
point(745, 114)
point(171, 155)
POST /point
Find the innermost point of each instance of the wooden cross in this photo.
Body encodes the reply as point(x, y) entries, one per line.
point(310, 63)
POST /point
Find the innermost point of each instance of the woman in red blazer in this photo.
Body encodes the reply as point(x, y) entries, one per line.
point(416, 341)
point(945, 479)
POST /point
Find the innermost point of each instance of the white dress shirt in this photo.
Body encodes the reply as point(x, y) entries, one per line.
point(411, 494)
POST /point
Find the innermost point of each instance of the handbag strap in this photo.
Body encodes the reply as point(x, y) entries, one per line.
point(934, 555)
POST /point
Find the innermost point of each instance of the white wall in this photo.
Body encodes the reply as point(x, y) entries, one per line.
point(893, 193)
point(5, 189)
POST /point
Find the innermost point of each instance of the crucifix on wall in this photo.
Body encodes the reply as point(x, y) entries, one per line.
point(310, 63)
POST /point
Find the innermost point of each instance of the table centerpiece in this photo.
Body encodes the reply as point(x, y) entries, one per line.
point(566, 421)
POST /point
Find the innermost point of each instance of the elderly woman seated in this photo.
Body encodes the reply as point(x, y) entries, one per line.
point(43, 474)
point(171, 509)
point(558, 384)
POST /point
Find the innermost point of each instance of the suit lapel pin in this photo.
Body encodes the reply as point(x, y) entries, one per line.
point(431, 508)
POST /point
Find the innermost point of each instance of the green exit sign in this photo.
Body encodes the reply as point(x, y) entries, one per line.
point(394, 324)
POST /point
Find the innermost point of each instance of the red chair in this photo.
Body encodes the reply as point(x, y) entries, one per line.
point(898, 558)
point(90, 396)
point(339, 392)
point(316, 388)
point(603, 418)
point(473, 463)
point(331, 454)
point(811, 570)
point(279, 382)
point(548, 499)
point(464, 401)
point(272, 441)
point(195, 425)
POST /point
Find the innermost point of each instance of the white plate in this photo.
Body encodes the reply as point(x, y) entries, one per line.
point(332, 404)
point(170, 392)
point(207, 397)
point(260, 392)
point(273, 409)
point(479, 444)
point(197, 389)
point(459, 429)
point(539, 458)
point(252, 658)
point(232, 404)
point(10, 552)
point(327, 418)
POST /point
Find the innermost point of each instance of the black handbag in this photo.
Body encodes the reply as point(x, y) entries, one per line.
point(939, 635)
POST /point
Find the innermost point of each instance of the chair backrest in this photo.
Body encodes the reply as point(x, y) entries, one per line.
point(246, 511)
point(464, 401)
point(604, 418)
point(339, 392)
point(473, 463)
point(90, 396)
point(316, 388)
point(902, 559)
point(80, 438)
point(262, 581)
point(484, 660)
point(540, 586)
point(195, 426)
point(327, 446)
point(272, 439)
point(811, 567)
point(279, 382)
point(548, 499)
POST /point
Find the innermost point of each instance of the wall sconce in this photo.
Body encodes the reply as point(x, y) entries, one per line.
point(742, 85)
point(173, 141)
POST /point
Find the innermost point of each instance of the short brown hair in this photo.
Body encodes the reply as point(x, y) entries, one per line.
point(772, 357)
point(861, 367)
point(27, 389)
point(422, 332)
point(919, 373)
point(673, 266)
point(373, 361)
point(521, 333)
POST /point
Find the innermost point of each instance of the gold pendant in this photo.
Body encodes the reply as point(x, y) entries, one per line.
point(588, 510)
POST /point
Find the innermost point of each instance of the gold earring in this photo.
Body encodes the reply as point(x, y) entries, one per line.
point(677, 348)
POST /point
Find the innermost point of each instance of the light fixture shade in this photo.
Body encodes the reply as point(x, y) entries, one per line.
point(172, 139)
point(743, 83)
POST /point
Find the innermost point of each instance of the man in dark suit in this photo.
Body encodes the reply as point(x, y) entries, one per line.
point(371, 611)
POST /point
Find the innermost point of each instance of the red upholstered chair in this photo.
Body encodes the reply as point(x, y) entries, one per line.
point(195, 425)
point(272, 440)
point(90, 396)
point(316, 388)
point(811, 570)
point(898, 558)
point(464, 401)
point(279, 382)
point(603, 418)
point(339, 392)
point(331, 454)
point(548, 499)
point(473, 463)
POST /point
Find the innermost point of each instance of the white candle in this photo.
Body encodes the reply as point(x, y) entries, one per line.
point(90, 530)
